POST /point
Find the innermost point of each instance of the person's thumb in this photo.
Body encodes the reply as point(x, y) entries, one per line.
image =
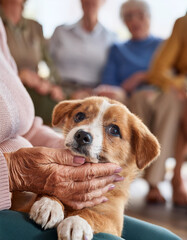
point(65, 157)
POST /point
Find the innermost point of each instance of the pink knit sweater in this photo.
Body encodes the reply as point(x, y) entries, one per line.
point(18, 126)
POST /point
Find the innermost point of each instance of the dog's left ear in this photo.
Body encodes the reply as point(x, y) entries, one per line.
point(62, 110)
point(144, 144)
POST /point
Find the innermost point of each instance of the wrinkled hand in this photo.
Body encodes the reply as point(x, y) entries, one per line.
point(133, 81)
point(113, 92)
point(57, 173)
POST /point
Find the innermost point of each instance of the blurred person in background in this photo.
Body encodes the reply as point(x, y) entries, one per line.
point(24, 167)
point(28, 48)
point(129, 61)
point(169, 72)
point(33, 157)
point(128, 67)
point(79, 51)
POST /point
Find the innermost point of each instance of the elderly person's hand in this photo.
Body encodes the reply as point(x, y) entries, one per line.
point(57, 173)
point(113, 92)
point(32, 80)
point(44, 87)
point(57, 93)
point(134, 80)
point(80, 94)
point(29, 78)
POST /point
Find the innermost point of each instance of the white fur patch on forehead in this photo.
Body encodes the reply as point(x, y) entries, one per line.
point(96, 129)
point(104, 107)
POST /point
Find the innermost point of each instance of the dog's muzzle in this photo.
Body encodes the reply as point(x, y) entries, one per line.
point(83, 140)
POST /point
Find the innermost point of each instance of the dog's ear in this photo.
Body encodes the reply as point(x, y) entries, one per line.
point(144, 144)
point(62, 111)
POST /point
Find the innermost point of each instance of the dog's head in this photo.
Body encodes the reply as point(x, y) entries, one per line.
point(104, 130)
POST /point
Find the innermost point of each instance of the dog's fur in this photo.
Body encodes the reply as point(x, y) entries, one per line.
point(133, 148)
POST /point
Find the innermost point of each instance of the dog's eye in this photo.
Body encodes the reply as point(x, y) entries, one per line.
point(113, 130)
point(80, 116)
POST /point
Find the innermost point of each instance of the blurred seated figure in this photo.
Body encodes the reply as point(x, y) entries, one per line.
point(28, 48)
point(128, 67)
point(179, 188)
point(129, 61)
point(79, 51)
point(169, 73)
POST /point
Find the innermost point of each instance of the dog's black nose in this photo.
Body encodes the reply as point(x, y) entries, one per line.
point(83, 138)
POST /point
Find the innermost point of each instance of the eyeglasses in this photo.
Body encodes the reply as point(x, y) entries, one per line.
point(134, 14)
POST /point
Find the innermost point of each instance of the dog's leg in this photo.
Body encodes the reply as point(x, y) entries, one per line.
point(74, 228)
point(47, 211)
point(82, 224)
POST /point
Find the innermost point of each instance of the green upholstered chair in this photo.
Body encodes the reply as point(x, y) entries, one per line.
point(18, 226)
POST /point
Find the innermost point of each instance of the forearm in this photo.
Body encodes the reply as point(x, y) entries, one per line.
point(41, 135)
point(166, 81)
point(162, 70)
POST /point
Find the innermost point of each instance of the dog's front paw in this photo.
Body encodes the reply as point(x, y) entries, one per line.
point(74, 228)
point(47, 212)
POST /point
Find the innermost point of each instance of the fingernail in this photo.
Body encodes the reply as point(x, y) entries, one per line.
point(112, 186)
point(118, 170)
point(105, 200)
point(118, 178)
point(78, 160)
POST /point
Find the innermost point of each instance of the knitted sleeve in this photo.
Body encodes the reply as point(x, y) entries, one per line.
point(5, 199)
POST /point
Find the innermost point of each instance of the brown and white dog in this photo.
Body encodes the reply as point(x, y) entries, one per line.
point(103, 130)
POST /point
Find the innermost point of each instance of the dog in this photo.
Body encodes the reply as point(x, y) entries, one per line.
point(102, 130)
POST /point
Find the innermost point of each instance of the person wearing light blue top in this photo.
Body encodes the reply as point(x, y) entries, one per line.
point(129, 61)
point(127, 68)
point(125, 59)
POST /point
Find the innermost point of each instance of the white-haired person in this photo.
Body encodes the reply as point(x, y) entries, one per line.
point(79, 51)
point(128, 67)
point(129, 61)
